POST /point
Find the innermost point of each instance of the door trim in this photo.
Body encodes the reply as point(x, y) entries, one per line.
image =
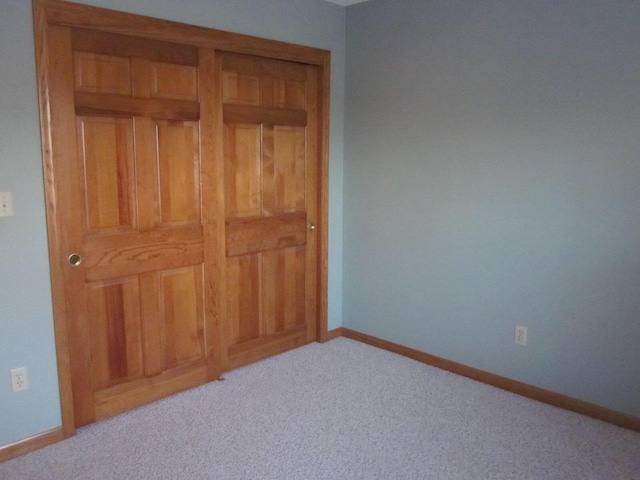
point(51, 13)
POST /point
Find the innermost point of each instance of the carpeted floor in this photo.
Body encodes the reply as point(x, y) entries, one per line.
point(342, 410)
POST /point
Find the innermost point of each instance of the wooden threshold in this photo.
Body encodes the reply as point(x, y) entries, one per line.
point(536, 393)
point(31, 444)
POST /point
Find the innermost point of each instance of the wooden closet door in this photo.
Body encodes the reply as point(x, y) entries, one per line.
point(133, 167)
point(270, 162)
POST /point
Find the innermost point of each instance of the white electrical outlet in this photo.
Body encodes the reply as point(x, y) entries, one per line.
point(521, 335)
point(19, 379)
point(6, 204)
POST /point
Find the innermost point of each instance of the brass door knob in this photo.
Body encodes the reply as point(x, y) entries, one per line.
point(75, 259)
point(311, 227)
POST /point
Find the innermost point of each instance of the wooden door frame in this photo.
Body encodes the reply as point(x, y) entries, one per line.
point(49, 13)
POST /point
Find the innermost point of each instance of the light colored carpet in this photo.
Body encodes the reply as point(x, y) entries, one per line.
point(342, 410)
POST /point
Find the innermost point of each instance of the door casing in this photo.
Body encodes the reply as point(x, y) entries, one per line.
point(52, 13)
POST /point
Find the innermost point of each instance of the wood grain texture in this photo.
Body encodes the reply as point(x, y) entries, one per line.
point(258, 115)
point(536, 393)
point(22, 447)
point(132, 196)
point(119, 399)
point(271, 160)
point(178, 145)
point(153, 332)
point(256, 234)
point(159, 102)
point(312, 166)
point(289, 94)
point(86, 40)
point(333, 334)
point(93, 18)
point(241, 89)
point(46, 83)
point(130, 254)
point(268, 172)
point(322, 220)
point(242, 172)
point(88, 103)
point(147, 185)
point(244, 299)
point(172, 81)
point(102, 73)
point(183, 314)
point(292, 152)
point(283, 297)
point(213, 208)
point(262, 66)
point(106, 150)
point(262, 348)
point(69, 215)
point(116, 336)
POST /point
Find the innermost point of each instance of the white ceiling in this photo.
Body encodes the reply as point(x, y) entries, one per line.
point(346, 3)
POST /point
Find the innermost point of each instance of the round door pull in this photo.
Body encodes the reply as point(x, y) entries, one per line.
point(75, 259)
point(311, 227)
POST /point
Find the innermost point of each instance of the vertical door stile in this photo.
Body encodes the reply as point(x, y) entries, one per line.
point(147, 207)
point(311, 179)
point(66, 170)
point(212, 191)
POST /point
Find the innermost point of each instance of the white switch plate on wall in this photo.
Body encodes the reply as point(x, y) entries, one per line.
point(6, 204)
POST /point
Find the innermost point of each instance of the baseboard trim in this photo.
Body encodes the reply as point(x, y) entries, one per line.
point(623, 420)
point(335, 333)
point(546, 396)
point(30, 444)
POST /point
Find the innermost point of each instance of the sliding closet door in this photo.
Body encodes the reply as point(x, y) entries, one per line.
point(186, 188)
point(130, 168)
point(270, 117)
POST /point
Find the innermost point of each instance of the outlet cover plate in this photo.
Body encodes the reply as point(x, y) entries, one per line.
point(19, 379)
point(521, 335)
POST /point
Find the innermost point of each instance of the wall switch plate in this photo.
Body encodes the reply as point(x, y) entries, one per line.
point(521, 335)
point(19, 379)
point(6, 204)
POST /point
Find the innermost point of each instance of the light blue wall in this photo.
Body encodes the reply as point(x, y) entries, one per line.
point(26, 328)
point(492, 178)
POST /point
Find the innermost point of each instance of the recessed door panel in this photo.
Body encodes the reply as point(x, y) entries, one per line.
point(243, 174)
point(106, 151)
point(243, 298)
point(241, 89)
point(284, 280)
point(182, 308)
point(289, 158)
point(102, 73)
point(174, 81)
point(178, 166)
point(289, 93)
point(116, 338)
